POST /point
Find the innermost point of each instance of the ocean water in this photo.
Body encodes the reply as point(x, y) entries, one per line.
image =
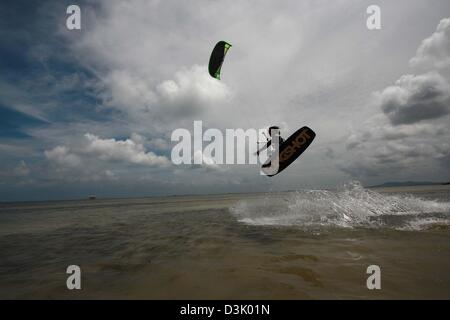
point(310, 244)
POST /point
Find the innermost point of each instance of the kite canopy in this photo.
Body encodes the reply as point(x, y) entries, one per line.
point(217, 57)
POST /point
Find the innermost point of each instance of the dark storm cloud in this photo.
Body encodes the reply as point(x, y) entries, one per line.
point(382, 149)
point(396, 159)
point(416, 98)
point(410, 136)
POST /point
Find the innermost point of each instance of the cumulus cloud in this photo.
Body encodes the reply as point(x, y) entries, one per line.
point(94, 153)
point(62, 156)
point(410, 135)
point(97, 159)
point(127, 92)
point(122, 150)
point(191, 92)
point(435, 50)
point(191, 89)
point(416, 98)
point(159, 144)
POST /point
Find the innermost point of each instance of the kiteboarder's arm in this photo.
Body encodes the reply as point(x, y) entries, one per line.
point(269, 143)
point(264, 147)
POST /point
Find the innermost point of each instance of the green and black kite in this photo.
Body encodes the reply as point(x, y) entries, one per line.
point(217, 57)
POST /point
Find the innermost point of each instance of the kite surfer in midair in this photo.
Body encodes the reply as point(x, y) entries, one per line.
point(274, 133)
point(288, 150)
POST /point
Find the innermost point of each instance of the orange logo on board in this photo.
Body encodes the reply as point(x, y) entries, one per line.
point(300, 140)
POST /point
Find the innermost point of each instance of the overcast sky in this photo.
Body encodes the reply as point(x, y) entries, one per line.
point(91, 111)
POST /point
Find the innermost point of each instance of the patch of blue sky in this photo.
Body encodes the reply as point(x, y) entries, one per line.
point(13, 123)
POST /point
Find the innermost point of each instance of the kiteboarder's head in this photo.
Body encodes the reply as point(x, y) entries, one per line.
point(275, 129)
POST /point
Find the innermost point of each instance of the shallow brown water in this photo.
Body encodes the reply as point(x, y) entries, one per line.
point(303, 245)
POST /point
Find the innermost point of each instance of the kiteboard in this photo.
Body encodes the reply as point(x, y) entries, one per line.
point(289, 150)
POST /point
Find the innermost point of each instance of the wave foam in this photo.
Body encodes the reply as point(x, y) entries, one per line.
point(349, 207)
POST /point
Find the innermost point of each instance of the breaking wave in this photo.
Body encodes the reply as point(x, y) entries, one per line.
point(352, 206)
